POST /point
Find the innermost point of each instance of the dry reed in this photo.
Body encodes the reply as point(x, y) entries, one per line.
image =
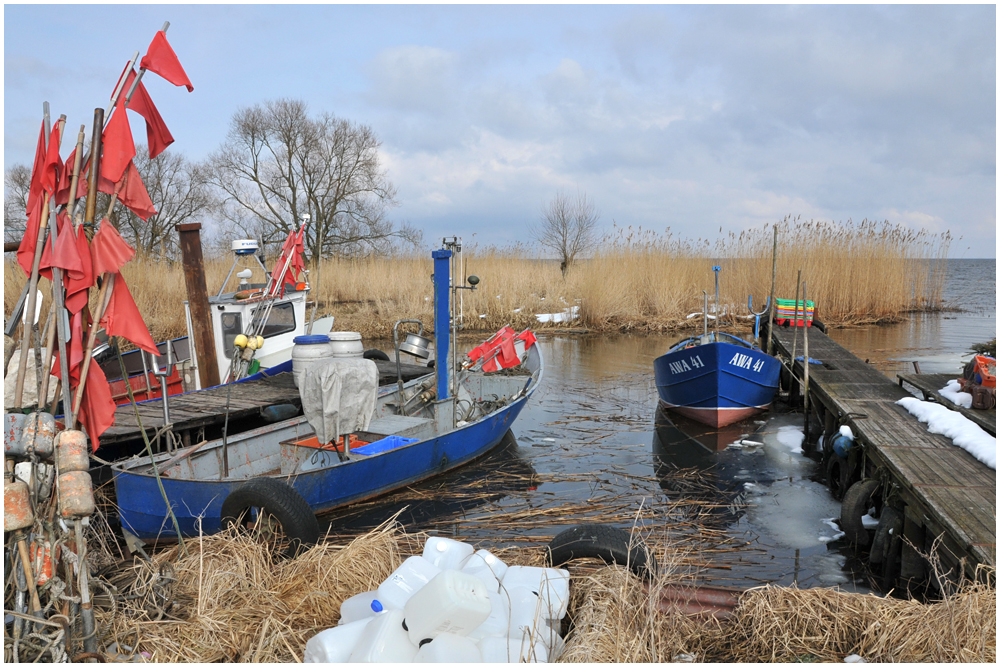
point(857, 273)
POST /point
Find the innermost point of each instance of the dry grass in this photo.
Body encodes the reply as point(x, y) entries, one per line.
point(638, 281)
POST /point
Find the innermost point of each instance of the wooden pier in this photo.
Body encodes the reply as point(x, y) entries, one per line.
point(199, 409)
point(928, 384)
point(942, 490)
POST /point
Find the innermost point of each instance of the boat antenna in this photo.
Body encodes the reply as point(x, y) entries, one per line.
point(704, 331)
point(718, 312)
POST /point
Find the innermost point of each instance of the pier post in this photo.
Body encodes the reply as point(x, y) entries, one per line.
point(442, 316)
point(197, 293)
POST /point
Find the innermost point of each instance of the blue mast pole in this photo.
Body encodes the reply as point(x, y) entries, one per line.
point(442, 319)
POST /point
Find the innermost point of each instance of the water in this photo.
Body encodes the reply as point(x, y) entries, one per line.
point(591, 446)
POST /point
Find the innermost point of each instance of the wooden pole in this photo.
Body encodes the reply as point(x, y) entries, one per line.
point(197, 293)
point(103, 299)
point(805, 364)
point(795, 334)
point(95, 165)
point(22, 362)
point(774, 277)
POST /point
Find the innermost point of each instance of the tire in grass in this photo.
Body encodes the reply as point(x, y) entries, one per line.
point(610, 544)
point(280, 501)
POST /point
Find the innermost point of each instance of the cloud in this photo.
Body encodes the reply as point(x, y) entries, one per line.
point(413, 79)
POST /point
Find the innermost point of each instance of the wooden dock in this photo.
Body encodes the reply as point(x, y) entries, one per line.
point(945, 492)
point(928, 384)
point(199, 409)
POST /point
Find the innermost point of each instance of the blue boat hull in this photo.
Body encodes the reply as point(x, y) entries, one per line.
point(717, 383)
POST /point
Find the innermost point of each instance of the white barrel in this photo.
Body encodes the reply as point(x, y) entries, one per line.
point(346, 344)
point(308, 351)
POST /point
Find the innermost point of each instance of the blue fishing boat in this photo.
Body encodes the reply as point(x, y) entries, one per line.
point(716, 378)
point(418, 429)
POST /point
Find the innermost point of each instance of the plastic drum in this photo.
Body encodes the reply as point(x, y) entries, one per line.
point(346, 344)
point(308, 351)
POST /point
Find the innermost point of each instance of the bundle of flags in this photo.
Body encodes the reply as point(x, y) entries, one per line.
point(291, 253)
point(500, 349)
point(81, 262)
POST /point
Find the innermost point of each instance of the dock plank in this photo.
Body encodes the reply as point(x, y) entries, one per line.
point(929, 384)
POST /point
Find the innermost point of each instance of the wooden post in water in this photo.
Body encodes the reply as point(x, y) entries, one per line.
point(805, 363)
point(197, 293)
point(774, 276)
point(795, 333)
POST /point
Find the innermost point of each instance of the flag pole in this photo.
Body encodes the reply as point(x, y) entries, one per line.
point(22, 362)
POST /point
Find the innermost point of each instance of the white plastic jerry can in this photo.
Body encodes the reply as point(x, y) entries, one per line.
point(407, 579)
point(384, 640)
point(497, 624)
point(551, 585)
point(487, 567)
point(452, 602)
point(447, 647)
point(335, 644)
point(357, 607)
point(510, 649)
point(447, 554)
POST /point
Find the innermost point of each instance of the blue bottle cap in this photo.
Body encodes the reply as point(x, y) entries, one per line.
point(376, 606)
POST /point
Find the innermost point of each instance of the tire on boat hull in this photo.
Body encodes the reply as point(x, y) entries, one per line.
point(375, 354)
point(858, 499)
point(298, 523)
point(612, 545)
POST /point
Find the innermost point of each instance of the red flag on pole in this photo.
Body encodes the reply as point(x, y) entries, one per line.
point(292, 248)
point(109, 250)
point(97, 407)
point(132, 192)
point(26, 251)
point(160, 58)
point(122, 318)
point(119, 147)
point(52, 169)
point(62, 194)
point(77, 284)
point(35, 190)
point(158, 137)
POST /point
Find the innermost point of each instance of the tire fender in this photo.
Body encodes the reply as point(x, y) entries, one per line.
point(376, 354)
point(858, 499)
point(890, 524)
point(281, 501)
point(610, 544)
point(837, 475)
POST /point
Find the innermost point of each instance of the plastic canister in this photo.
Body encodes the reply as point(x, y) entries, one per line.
point(44, 476)
point(335, 644)
point(525, 611)
point(452, 602)
point(76, 494)
point(497, 624)
point(511, 649)
point(447, 647)
point(308, 351)
point(346, 345)
point(17, 512)
point(384, 640)
point(72, 452)
point(406, 580)
point(551, 585)
point(357, 607)
point(447, 554)
point(487, 567)
point(13, 427)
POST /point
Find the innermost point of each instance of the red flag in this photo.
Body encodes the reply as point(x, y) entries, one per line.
point(119, 147)
point(158, 137)
point(97, 407)
point(64, 255)
point(133, 194)
point(53, 167)
point(26, 251)
point(160, 58)
point(122, 318)
point(78, 284)
point(109, 250)
point(62, 194)
point(35, 191)
point(293, 247)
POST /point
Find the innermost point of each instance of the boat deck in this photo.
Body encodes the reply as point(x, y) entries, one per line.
point(928, 384)
point(198, 409)
point(947, 492)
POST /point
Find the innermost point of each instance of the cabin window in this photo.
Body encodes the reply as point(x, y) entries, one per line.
point(281, 320)
point(232, 326)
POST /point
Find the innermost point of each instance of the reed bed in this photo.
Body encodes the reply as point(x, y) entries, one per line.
point(858, 273)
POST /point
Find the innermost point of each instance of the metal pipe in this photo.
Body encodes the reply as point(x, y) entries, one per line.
point(718, 310)
point(774, 276)
point(805, 364)
point(399, 371)
point(704, 330)
point(441, 320)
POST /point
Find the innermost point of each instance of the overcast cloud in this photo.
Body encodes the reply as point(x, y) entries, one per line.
point(692, 117)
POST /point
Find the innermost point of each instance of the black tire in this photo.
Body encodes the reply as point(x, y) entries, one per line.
point(890, 524)
point(858, 499)
point(819, 325)
point(594, 540)
point(837, 476)
point(893, 560)
point(377, 355)
point(299, 528)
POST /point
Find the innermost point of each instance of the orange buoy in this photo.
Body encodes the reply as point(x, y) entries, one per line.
point(17, 512)
point(72, 452)
point(42, 559)
point(76, 494)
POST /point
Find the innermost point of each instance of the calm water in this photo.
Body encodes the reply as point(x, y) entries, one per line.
point(590, 446)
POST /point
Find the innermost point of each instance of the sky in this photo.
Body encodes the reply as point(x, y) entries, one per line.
point(692, 117)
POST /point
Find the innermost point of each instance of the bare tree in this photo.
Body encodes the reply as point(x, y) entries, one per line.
point(178, 189)
point(16, 183)
point(568, 228)
point(277, 164)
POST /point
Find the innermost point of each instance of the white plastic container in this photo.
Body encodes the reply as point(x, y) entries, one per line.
point(526, 612)
point(360, 606)
point(307, 351)
point(551, 585)
point(487, 567)
point(508, 649)
point(408, 578)
point(335, 644)
point(452, 602)
point(45, 475)
point(384, 640)
point(447, 647)
point(346, 345)
point(447, 554)
point(497, 624)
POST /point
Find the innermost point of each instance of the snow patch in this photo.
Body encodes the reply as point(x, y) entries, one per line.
point(953, 392)
point(566, 315)
point(791, 437)
point(951, 424)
